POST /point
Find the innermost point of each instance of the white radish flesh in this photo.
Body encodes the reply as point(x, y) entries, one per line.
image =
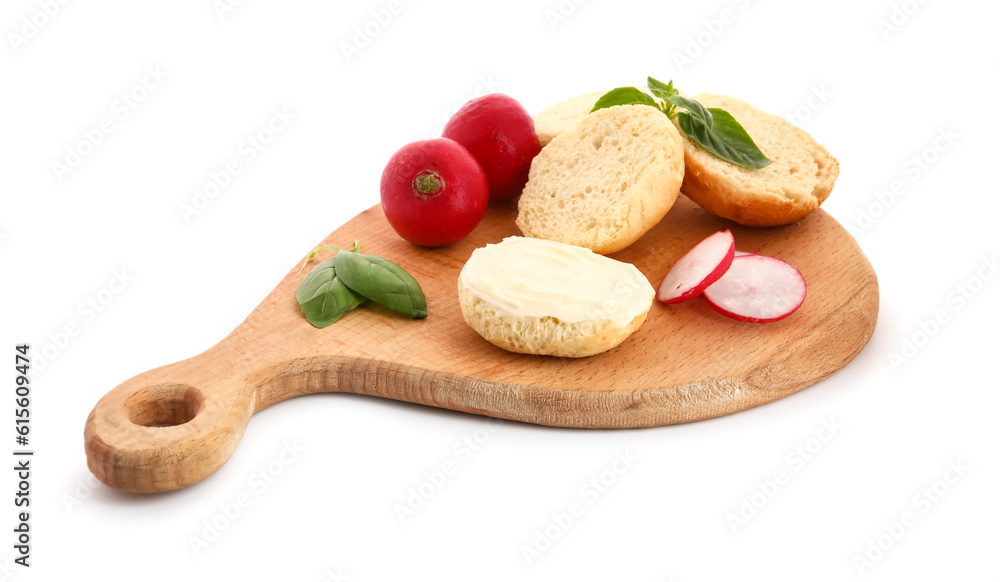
point(698, 268)
point(757, 289)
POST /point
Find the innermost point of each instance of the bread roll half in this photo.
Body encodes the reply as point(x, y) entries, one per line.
point(604, 183)
point(535, 296)
point(799, 178)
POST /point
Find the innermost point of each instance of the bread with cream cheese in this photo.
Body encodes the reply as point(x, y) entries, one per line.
point(535, 296)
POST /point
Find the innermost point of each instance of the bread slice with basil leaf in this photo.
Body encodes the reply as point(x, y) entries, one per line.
point(605, 182)
point(798, 179)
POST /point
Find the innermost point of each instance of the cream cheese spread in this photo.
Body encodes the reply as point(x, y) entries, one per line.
point(525, 277)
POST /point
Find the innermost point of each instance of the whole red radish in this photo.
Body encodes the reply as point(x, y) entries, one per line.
point(701, 266)
point(434, 192)
point(500, 133)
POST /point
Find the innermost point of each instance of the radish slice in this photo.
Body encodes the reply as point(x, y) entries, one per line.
point(744, 254)
point(698, 268)
point(757, 289)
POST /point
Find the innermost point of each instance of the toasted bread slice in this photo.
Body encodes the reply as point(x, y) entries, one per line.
point(604, 183)
point(799, 178)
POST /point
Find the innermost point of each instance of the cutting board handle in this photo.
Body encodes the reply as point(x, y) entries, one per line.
point(172, 426)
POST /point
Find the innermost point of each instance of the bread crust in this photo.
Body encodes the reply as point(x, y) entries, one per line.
point(800, 178)
point(542, 335)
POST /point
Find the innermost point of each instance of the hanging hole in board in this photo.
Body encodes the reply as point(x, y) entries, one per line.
point(164, 406)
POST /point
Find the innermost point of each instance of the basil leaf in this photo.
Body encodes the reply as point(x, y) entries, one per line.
point(660, 90)
point(382, 281)
point(716, 130)
point(697, 110)
point(623, 96)
point(726, 138)
point(323, 297)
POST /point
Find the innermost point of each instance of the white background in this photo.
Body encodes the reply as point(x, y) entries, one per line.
point(882, 93)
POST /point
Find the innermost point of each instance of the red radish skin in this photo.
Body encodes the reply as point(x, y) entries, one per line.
point(757, 289)
point(434, 192)
point(500, 134)
point(701, 266)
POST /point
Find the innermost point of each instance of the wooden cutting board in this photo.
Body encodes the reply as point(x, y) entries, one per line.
point(175, 425)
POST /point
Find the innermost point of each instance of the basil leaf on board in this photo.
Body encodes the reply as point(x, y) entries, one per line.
point(323, 297)
point(726, 138)
point(623, 96)
point(697, 110)
point(661, 90)
point(382, 281)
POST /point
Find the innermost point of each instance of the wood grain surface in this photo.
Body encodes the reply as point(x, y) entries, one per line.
point(175, 425)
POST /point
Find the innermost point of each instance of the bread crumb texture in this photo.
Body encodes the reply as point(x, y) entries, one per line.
point(542, 335)
point(604, 183)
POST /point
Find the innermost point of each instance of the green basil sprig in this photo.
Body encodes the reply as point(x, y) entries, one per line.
point(714, 129)
point(344, 282)
point(726, 138)
point(382, 281)
point(323, 297)
point(662, 91)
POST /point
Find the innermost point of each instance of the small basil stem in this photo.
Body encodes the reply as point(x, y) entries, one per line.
point(312, 255)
